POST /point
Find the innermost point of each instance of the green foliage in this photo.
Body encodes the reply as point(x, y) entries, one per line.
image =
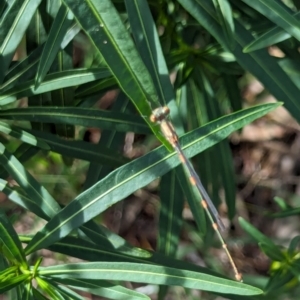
point(209, 44)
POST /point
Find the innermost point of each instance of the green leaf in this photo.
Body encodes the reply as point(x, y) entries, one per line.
point(10, 245)
point(38, 295)
point(20, 198)
point(87, 117)
point(56, 35)
point(70, 34)
point(282, 203)
point(13, 24)
point(102, 288)
point(204, 12)
point(49, 289)
point(22, 153)
point(170, 217)
point(261, 238)
point(32, 188)
point(269, 251)
point(277, 281)
point(148, 274)
point(233, 91)
point(67, 292)
point(95, 87)
point(147, 40)
point(23, 136)
point(138, 173)
point(224, 13)
point(293, 247)
point(287, 213)
point(90, 251)
point(64, 97)
point(23, 70)
point(271, 37)
point(279, 14)
point(103, 25)
point(13, 282)
point(82, 150)
point(52, 82)
point(27, 292)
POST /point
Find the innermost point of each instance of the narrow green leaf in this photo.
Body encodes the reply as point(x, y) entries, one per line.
point(32, 188)
point(38, 295)
point(10, 245)
point(3, 6)
point(95, 87)
point(147, 40)
point(227, 176)
point(84, 249)
point(67, 292)
point(282, 203)
point(287, 213)
point(8, 271)
point(259, 237)
point(56, 35)
point(224, 13)
point(90, 251)
point(271, 37)
point(23, 136)
point(233, 91)
point(138, 173)
point(20, 198)
point(22, 71)
point(170, 215)
point(269, 251)
point(292, 68)
point(13, 282)
point(294, 244)
point(103, 25)
point(204, 12)
point(64, 97)
point(277, 281)
point(100, 235)
point(70, 34)
point(27, 292)
point(52, 82)
point(87, 117)
point(150, 274)
point(14, 23)
point(279, 14)
point(82, 150)
point(49, 289)
point(102, 288)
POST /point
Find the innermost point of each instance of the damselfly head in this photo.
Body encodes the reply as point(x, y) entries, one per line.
point(159, 114)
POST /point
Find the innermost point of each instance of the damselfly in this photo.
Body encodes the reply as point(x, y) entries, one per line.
point(160, 116)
